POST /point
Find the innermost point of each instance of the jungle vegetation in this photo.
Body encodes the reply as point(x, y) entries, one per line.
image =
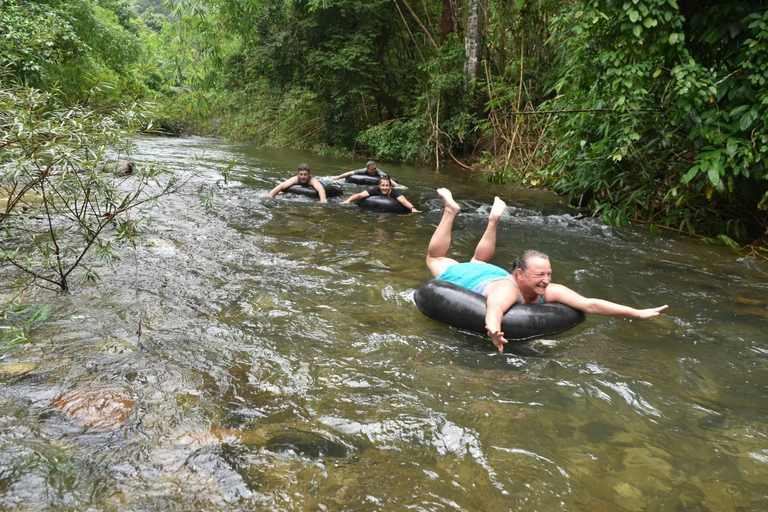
point(650, 111)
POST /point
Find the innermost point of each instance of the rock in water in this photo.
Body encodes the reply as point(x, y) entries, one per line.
point(99, 407)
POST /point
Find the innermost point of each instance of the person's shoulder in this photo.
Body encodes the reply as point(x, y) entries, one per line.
point(374, 191)
point(557, 292)
point(395, 193)
point(555, 288)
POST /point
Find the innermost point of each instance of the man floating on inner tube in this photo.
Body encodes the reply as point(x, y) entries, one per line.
point(370, 170)
point(304, 177)
point(384, 188)
point(529, 283)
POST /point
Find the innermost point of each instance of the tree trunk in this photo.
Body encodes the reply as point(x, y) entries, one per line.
point(473, 40)
point(446, 20)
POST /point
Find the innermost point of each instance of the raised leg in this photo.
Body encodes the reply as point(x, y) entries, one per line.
point(437, 260)
point(486, 247)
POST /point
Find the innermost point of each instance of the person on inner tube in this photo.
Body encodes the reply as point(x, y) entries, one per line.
point(370, 170)
point(384, 188)
point(304, 177)
point(529, 283)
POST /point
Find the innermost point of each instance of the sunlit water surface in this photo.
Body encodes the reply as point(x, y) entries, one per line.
point(282, 363)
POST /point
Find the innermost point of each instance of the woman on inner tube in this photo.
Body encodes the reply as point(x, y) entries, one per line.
point(529, 283)
point(384, 188)
point(304, 177)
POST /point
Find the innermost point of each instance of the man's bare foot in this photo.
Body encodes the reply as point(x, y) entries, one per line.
point(450, 204)
point(497, 210)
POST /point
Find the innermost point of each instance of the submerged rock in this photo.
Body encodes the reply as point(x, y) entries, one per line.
point(99, 407)
point(17, 368)
point(305, 443)
point(124, 167)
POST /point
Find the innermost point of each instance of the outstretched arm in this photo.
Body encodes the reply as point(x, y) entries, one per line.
point(357, 197)
point(284, 185)
point(320, 189)
point(500, 296)
point(407, 204)
point(340, 176)
point(560, 293)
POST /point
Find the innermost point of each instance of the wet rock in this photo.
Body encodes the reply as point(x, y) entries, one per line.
point(246, 437)
point(17, 368)
point(115, 346)
point(599, 432)
point(124, 167)
point(96, 408)
point(601, 488)
point(648, 472)
point(309, 444)
point(629, 496)
point(598, 505)
point(162, 247)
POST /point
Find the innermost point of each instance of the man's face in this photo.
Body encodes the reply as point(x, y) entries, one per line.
point(304, 177)
point(371, 169)
point(536, 277)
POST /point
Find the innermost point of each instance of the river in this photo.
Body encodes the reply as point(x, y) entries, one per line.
point(282, 363)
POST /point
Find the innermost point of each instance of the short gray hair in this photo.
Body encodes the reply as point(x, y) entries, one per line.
point(523, 260)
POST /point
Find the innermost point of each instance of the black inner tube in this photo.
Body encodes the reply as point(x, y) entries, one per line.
point(365, 179)
point(332, 190)
point(383, 203)
point(465, 309)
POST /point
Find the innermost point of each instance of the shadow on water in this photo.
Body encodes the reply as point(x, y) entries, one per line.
point(283, 364)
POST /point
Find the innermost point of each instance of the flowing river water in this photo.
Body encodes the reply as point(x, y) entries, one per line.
point(282, 363)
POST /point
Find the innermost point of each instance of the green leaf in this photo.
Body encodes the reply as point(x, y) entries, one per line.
point(637, 30)
point(690, 174)
point(763, 204)
point(673, 38)
point(714, 176)
point(727, 241)
point(748, 119)
point(738, 111)
point(650, 22)
point(634, 16)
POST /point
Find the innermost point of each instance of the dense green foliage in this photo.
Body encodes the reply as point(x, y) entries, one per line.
point(72, 44)
point(671, 127)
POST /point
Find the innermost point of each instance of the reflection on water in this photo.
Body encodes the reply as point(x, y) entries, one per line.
point(283, 364)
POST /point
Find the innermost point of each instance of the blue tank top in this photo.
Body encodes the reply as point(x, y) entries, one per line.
point(477, 276)
point(520, 295)
point(473, 276)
